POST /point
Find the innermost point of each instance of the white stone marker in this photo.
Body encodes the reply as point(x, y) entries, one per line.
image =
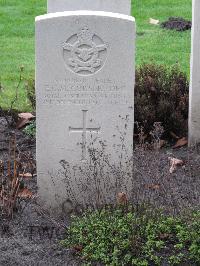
point(194, 109)
point(115, 6)
point(84, 87)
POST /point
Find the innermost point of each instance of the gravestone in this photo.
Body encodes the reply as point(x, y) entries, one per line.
point(115, 6)
point(194, 109)
point(85, 95)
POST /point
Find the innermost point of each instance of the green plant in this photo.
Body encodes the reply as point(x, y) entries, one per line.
point(30, 129)
point(11, 114)
point(30, 90)
point(135, 236)
point(180, 236)
point(161, 95)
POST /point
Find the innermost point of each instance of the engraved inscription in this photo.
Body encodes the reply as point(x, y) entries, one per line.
point(96, 92)
point(84, 52)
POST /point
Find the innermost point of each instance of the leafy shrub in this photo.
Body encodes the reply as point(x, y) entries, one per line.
point(161, 95)
point(113, 236)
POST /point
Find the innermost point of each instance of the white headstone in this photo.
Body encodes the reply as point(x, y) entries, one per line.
point(194, 109)
point(85, 89)
point(115, 6)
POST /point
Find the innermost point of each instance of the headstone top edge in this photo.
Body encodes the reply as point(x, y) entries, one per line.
point(84, 13)
point(115, 6)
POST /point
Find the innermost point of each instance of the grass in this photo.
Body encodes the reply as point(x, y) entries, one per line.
point(17, 45)
point(158, 45)
point(154, 45)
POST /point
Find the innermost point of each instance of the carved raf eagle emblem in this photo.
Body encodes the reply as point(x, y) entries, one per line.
point(84, 52)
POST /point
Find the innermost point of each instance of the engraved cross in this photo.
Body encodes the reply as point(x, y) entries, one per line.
point(84, 129)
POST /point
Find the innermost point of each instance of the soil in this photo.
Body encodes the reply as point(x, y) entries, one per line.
point(32, 236)
point(177, 23)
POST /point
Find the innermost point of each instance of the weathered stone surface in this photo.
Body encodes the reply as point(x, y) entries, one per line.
point(115, 6)
point(85, 95)
point(194, 111)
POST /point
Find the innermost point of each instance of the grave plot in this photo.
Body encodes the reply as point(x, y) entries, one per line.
point(34, 236)
point(86, 161)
